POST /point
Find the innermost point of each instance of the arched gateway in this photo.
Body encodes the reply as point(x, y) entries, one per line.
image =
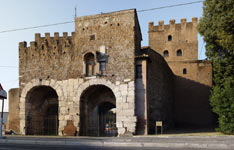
point(97, 117)
point(96, 107)
point(42, 111)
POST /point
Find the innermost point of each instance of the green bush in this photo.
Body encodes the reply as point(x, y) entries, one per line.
point(217, 28)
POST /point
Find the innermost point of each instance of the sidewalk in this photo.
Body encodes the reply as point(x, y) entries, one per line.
point(205, 142)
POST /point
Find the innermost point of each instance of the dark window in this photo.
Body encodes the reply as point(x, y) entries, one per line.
point(179, 52)
point(166, 53)
point(139, 71)
point(89, 64)
point(184, 71)
point(92, 37)
point(169, 38)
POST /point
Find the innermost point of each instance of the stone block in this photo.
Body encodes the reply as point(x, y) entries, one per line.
point(131, 93)
point(61, 117)
point(131, 99)
point(47, 82)
point(124, 99)
point(124, 92)
point(119, 124)
point(117, 83)
point(129, 112)
point(121, 131)
point(131, 105)
point(127, 80)
point(67, 117)
point(52, 82)
point(71, 83)
point(131, 84)
point(80, 80)
point(123, 87)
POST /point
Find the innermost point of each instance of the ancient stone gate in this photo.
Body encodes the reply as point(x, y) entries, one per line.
point(73, 93)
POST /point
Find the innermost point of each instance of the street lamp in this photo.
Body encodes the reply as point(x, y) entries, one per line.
point(3, 95)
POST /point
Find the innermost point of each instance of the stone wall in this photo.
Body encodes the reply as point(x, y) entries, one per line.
point(115, 33)
point(62, 58)
point(192, 91)
point(59, 62)
point(13, 115)
point(160, 90)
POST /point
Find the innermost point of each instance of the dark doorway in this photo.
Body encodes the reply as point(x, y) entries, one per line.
point(42, 111)
point(98, 116)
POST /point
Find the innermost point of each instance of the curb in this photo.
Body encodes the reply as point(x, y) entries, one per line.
point(102, 143)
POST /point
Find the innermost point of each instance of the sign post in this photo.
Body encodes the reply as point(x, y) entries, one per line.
point(159, 124)
point(3, 95)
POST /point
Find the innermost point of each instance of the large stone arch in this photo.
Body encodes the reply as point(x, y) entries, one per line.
point(30, 85)
point(125, 102)
point(95, 103)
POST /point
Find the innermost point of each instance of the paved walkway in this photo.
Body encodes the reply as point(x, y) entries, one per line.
point(205, 142)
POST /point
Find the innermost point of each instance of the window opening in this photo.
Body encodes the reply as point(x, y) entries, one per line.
point(184, 71)
point(92, 37)
point(169, 38)
point(166, 53)
point(89, 64)
point(179, 52)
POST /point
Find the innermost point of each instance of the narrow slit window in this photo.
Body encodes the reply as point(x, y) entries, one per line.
point(169, 38)
point(184, 71)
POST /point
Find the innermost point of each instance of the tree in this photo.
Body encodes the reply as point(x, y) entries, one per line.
point(217, 28)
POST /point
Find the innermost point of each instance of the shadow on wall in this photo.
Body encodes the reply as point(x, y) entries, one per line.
point(141, 125)
point(159, 92)
point(191, 107)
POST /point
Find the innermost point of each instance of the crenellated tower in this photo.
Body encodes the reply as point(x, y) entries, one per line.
point(176, 42)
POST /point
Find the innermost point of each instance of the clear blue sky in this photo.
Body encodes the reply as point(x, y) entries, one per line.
point(26, 13)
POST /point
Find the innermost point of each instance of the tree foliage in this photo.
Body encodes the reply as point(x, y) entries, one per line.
point(217, 28)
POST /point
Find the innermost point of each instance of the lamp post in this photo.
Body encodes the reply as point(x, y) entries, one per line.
point(3, 95)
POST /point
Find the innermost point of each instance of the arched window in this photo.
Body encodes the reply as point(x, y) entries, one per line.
point(179, 52)
point(89, 64)
point(169, 38)
point(184, 71)
point(166, 53)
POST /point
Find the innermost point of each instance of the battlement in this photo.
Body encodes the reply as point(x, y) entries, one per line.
point(172, 25)
point(47, 46)
point(47, 41)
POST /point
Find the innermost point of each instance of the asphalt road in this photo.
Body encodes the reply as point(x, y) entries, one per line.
point(65, 147)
